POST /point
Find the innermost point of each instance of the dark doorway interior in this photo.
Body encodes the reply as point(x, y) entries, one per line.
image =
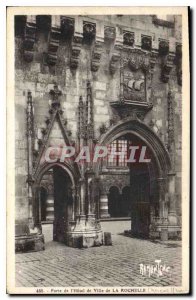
point(56, 204)
point(62, 204)
point(134, 200)
point(114, 202)
point(43, 198)
point(119, 203)
point(140, 204)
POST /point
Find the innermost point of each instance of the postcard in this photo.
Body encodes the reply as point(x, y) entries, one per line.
point(98, 142)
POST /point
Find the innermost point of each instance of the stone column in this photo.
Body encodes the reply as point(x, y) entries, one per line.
point(89, 191)
point(163, 210)
point(82, 197)
point(30, 144)
point(74, 194)
point(172, 217)
point(37, 210)
point(78, 206)
point(30, 202)
point(50, 204)
point(103, 208)
point(77, 200)
point(89, 196)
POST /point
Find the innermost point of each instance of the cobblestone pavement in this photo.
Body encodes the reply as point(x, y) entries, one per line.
point(116, 265)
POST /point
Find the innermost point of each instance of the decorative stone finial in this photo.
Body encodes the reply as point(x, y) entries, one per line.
point(55, 94)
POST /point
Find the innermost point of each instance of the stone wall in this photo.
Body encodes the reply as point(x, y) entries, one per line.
point(39, 78)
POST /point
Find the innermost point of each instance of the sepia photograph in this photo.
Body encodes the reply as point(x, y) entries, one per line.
point(98, 113)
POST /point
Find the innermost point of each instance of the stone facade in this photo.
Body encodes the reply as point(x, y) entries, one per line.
point(128, 71)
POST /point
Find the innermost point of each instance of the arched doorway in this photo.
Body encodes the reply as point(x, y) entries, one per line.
point(119, 202)
point(114, 202)
point(147, 194)
point(140, 203)
point(61, 204)
point(135, 200)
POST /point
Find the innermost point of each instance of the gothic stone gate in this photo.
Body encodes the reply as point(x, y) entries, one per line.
point(73, 225)
point(160, 213)
point(63, 206)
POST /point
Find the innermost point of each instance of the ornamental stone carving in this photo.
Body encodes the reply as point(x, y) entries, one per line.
point(96, 55)
point(128, 38)
point(163, 47)
point(170, 129)
point(67, 26)
point(161, 22)
point(178, 62)
point(136, 67)
point(116, 53)
point(114, 179)
point(146, 42)
point(54, 38)
point(76, 49)
point(89, 32)
point(136, 71)
point(29, 38)
point(109, 33)
point(167, 65)
point(55, 94)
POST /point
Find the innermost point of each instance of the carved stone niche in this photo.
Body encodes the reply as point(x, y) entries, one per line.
point(109, 33)
point(75, 50)
point(89, 32)
point(163, 47)
point(128, 38)
point(178, 62)
point(146, 42)
point(96, 56)
point(167, 65)
point(54, 39)
point(67, 27)
point(29, 38)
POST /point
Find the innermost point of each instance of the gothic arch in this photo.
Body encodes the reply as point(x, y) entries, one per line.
point(114, 187)
point(124, 188)
point(55, 115)
point(143, 132)
point(44, 168)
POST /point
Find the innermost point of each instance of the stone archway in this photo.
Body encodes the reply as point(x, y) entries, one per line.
point(159, 171)
point(64, 184)
point(145, 133)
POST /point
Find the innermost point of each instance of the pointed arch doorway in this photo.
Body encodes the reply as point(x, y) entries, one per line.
point(56, 206)
point(133, 195)
point(151, 185)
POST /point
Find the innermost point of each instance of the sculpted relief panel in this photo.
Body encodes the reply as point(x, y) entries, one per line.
point(136, 77)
